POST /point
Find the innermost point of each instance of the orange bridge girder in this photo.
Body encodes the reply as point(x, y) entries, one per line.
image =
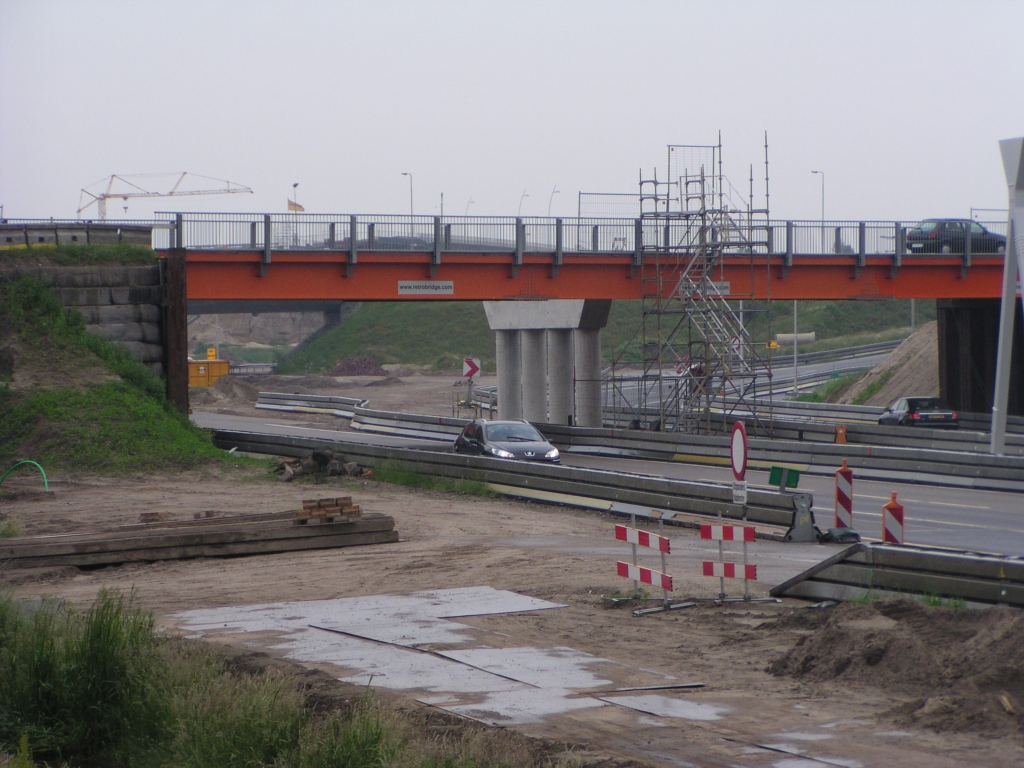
point(461, 276)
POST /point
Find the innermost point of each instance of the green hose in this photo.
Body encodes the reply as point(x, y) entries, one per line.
point(46, 485)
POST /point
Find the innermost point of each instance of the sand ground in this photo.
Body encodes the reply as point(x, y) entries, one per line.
point(565, 556)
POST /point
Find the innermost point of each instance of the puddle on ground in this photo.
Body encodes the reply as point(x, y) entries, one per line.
point(517, 707)
point(544, 668)
point(663, 706)
point(387, 639)
point(820, 762)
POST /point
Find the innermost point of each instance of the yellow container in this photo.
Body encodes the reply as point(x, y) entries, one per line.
point(204, 373)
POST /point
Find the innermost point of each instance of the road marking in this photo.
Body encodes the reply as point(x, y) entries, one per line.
point(922, 501)
point(308, 429)
point(946, 522)
point(948, 504)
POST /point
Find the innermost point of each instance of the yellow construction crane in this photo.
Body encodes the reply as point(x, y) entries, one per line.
point(124, 187)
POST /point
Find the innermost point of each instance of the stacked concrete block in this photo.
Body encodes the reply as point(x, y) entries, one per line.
point(122, 304)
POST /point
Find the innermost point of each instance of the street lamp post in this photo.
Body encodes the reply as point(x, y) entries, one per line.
point(406, 173)
point(521, 202)
point(471, 201)
point(554, 191)
point(823, 238)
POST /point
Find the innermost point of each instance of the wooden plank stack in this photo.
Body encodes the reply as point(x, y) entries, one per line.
point(326, 510)
point(339, 524)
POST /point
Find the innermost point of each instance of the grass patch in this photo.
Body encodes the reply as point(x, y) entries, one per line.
point(8, 528)
point(101, 689)
point(82, 255)
point(823, 393)
point(111, 427)
point(77, 686)
point(117, 425)
point(398, 474)
point(938, 601)
point(240, 353)
point(873, 388)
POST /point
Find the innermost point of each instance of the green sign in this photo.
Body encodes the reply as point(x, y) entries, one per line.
point(784, 477)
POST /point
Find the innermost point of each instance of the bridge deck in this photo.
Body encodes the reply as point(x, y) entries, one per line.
point(388, 276)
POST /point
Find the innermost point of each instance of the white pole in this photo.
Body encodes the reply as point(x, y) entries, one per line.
point(1013, 164)
point(794, 350)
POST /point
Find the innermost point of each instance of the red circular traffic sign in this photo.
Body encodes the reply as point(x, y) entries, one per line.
point(738, 450)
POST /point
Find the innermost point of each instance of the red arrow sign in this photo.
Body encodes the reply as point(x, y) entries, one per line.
point(470, 366)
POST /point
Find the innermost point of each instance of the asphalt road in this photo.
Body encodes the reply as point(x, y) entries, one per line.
point(977, 521)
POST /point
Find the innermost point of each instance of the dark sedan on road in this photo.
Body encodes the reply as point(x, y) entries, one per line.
point(950, 236)
point(920, 412)
point(505, 440)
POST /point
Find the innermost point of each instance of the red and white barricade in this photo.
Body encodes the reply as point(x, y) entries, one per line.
point(722, 569)
point(844, 497)
point(728, 532)
point(645, 575)
point(892, 521)
point(730, 570)
point(643, 538)
point(633, 571)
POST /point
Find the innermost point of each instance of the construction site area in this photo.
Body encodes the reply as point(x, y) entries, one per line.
point(713, 684)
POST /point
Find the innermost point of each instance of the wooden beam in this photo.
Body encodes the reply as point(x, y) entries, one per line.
point(228, 540)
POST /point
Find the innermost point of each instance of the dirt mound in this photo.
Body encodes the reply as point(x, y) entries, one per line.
point(385, 382)
point(911, 370)
point(399, 369)
point(967, 666)
point(234, 388)
point(359, 366)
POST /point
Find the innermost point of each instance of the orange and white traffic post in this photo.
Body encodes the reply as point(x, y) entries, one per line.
point(844, 497)
point(892, 521)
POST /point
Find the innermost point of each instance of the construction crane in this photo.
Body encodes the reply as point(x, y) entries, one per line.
point(122, 187)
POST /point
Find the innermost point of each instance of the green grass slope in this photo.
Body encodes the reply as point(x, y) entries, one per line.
point(440, 334)
point(75, 255)
point(76, 402)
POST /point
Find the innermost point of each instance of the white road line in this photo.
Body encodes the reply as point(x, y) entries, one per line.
point(307, 429)
point(945, 522)
point(948, 504)
point(922, 501)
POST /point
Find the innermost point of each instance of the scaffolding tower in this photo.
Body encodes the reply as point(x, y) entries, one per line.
point(698, 363)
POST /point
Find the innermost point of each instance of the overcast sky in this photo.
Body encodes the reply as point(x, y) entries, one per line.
point(900, 103)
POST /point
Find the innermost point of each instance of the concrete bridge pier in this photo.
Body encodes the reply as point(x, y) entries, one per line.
point(534, 375)
point(560, 367)
point(507, 359)
point(587, 344)
point(549, 359)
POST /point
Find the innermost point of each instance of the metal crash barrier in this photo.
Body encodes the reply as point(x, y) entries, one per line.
point(649, 497)
point(865, 571)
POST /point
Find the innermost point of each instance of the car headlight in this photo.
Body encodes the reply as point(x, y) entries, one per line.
point(552, 454)
point(502, 454)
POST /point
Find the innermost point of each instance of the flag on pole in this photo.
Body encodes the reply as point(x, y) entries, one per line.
point(293, 206)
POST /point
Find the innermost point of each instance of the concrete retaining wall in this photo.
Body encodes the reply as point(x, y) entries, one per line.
point(122, 304)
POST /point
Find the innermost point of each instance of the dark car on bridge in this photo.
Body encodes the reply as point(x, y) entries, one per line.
point(920, 412)
point(950, 236)
point(505, 440)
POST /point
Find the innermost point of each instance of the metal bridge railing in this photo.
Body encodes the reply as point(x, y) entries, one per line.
point(491, 234)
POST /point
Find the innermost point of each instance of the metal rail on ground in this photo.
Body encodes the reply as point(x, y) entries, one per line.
point(865, 571)
point(343, 407)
